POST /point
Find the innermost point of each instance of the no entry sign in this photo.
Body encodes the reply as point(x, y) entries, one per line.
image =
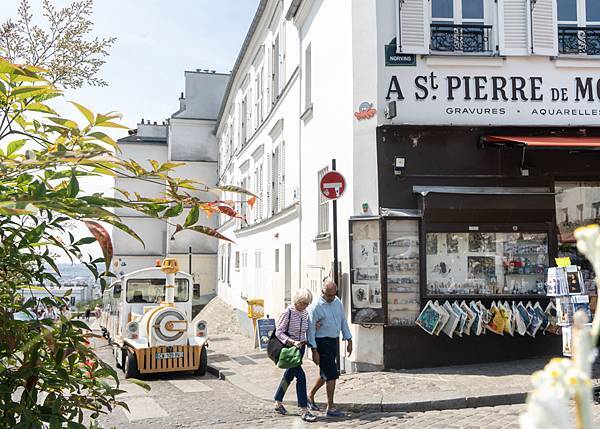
point(332, 185)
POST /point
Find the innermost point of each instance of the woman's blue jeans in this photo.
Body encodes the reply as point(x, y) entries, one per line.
point(287, 378)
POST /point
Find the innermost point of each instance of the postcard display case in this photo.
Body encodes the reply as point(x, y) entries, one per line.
point(395, 301)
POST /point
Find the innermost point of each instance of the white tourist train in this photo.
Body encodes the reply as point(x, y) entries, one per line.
point(147, 317)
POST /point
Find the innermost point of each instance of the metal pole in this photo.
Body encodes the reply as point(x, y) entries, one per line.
point(335, 261)
point(335, 239)
point(190, 260)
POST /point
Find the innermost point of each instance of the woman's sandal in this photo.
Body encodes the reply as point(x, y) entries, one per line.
point(312, 406)
point(281, 410)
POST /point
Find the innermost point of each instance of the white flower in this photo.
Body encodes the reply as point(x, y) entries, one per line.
point(545, 411)
point(588, 243)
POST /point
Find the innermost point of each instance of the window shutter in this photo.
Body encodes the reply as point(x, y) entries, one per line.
point(281, 176)
point(269, 186)
point(544, 28)
point(513, 27)
point(413, 26)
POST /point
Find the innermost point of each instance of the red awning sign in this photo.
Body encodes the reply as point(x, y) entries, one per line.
point(332, 185)
point(548, 142)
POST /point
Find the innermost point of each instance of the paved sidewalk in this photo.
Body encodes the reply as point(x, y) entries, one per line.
point(232, 357)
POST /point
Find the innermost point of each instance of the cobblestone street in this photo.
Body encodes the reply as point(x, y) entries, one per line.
point(186, 401)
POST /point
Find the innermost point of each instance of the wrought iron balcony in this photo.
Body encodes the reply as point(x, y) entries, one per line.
point(461, 38)
point(579, 40)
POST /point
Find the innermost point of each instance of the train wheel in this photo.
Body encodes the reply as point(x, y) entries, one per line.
point(131, 365)
point(201, 371)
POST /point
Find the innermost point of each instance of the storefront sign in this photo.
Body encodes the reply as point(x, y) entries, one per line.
point(500, 96)
point(332, 185)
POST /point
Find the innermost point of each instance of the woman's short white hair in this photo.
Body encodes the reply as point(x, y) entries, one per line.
point(303, 296)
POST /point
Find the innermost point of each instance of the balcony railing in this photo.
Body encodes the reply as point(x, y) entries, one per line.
point(579, 40)
point(461, 38)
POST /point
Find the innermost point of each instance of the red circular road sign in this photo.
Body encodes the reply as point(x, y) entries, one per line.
point(332, 185)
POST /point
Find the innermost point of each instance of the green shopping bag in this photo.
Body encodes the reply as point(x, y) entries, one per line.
point(290, 357)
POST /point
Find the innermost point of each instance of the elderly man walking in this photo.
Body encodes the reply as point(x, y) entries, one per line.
point(326, 319)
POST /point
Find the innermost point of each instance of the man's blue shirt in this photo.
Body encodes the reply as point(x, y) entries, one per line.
point(331, 318)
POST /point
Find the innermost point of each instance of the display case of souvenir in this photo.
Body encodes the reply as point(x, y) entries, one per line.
point(367, 301)
point(486, 263)
point(403, 272)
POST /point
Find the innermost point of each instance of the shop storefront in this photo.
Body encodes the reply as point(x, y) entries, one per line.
point(470, 215)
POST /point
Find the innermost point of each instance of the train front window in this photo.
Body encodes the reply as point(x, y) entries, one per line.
point(152, 291)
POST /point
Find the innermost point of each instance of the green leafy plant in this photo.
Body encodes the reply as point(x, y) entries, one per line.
point(49, 373)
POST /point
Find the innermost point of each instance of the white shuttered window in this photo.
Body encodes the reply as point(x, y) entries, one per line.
point(544, 29)
point(513, 27)
point(413, 26)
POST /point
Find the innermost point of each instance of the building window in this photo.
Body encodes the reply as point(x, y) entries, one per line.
point(228, 267)
point(243, 119)
point(308, 77)
point(460, 26)
point(596, 210)
point(258, 259)
point(276, 260)
point(259, 97)
point(275, 62)
point(258, 190)
point(578, 27)
point(323, 215)
point(565, 213)
point(244, 259)
point(278, 179)
point(237, 261)
point(580, 212)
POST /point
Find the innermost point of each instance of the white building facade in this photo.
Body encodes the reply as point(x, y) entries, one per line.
point(445, 117)
point(186, 137)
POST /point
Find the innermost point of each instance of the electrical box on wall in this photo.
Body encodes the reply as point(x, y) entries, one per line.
point(399, 166)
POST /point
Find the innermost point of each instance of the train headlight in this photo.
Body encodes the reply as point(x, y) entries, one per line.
point(133, 330)
point(201, 330)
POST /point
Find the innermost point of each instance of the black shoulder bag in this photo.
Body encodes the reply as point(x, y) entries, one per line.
point(275, 346)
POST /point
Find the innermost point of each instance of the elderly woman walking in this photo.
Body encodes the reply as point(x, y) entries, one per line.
point(291, 329)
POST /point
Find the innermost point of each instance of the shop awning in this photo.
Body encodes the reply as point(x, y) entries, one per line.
point(589, 143)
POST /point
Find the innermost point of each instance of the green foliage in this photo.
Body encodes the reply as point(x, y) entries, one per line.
point(49, 374)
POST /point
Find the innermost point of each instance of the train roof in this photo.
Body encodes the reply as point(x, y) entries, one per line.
point(154, 272)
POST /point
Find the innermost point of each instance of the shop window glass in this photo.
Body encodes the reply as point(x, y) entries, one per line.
point(486, 263)
point(367, 300)
point(583, 199)
point(403, 297)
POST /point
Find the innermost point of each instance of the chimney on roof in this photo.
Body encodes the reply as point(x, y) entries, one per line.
point(198, 70)
point(213, 71)
point(206, 70)
point(142, 120)
point(181, 97)
point(154, 122)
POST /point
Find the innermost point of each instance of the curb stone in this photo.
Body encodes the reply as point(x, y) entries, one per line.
point(417, 406)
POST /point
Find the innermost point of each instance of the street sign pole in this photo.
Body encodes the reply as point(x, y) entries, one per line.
point(335, 263)
point(335, 239)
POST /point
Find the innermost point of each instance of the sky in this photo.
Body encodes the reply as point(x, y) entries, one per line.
point(157, 40)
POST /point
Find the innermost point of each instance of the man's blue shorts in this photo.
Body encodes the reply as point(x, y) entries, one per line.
point(327, 348)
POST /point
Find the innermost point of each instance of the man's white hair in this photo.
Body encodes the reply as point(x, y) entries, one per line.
point(328, 283)
point(303, 296)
